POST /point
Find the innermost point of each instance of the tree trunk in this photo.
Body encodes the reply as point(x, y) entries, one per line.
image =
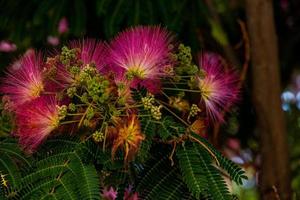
point(275, 171)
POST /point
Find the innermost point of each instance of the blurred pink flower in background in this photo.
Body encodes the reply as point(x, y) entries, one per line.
point(284, 4)
point(234, 144)
point(18, 63)
point(109, 194)
point(53, 40)
point(129, 195)
point(63, 25)
point(6, 46)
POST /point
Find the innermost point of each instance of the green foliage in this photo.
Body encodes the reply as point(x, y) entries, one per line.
point(235, 172)
point(5, 120)
point(59, 173)
point(105, 18)
point(184, 59)
point(199, 173)
point(11, 160)
point(168, 127)
point(66, 169)
point(165, 128)
point(192, 170)
point(160, 180)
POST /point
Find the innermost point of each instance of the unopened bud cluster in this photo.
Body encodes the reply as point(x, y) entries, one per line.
point(148, 102)
point(194, 110)
point(62, 111)
point(184, 59)
point(72, 107)
point(98, 136)
point(155, 112)
point(67, 55)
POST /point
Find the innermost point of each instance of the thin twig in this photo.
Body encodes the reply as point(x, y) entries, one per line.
point(274, 188)
point(172, 153)
point(205, 146)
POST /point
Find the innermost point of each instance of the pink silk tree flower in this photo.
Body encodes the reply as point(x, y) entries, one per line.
point(109, 194)
point(142, 53)
point(6, 46)
point(219, 88)
point(63, 25)
point(24, 83)
point(92, 52)
point(36, 120)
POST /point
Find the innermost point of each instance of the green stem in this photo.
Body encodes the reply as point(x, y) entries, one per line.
point(83, 116)
point(104, 142)
point(184, 90)
point(75, 114)
point(69, 122)
point(174, 114)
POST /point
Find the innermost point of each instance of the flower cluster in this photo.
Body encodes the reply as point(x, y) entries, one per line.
point(88, 85)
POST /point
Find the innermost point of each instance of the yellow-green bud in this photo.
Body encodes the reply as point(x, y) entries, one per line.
point(194, 110)
point(62, 111)
point(155, 112)
point(98, 136)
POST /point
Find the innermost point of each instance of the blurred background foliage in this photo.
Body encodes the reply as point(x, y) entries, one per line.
point(202, 24)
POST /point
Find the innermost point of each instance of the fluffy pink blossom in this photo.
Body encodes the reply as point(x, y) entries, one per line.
point(141, 53)
point(24, 83)
point(92, 51)
point(63, 25)
point(35, 121)
point(6, 46)
point(219, 88)
point(109, 194)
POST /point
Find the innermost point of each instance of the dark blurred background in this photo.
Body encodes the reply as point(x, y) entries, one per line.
point(222, 26)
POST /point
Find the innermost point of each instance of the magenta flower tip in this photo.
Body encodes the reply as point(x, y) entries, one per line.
point(63, 25)
point(24, 81)
point(36, 120)
point(219, 88)
point(92, 51)
point(141, 52)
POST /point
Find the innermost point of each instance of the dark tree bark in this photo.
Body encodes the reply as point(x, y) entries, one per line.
point(275, 171)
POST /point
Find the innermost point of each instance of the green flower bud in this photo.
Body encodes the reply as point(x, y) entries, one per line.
point(155, 112)
point(62, 111)
point(72, 107)
point(194, 110)
point(98, 136)
point(71, 91)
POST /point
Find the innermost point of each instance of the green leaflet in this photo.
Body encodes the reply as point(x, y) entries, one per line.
point(235, 172)
point(59, 173)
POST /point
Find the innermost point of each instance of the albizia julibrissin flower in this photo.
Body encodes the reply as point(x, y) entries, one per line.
point(91, 51)
point(219, 88)
point(36, 120)
point(141, 52)
point(25, 83)
point(128, 137)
